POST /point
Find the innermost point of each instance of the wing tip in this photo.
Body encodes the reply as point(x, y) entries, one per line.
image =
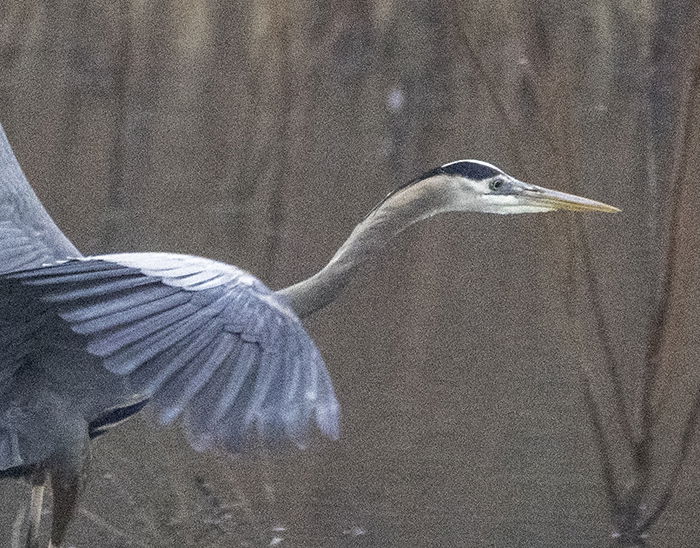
point(274, 431)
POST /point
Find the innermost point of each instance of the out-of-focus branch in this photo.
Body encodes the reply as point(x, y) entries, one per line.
point(489, 85)
point(686, 441)
point(120, 150)
point(611, 489)
point(611, 363)
point(284, 139)
point(15, 39)
point(15, 538)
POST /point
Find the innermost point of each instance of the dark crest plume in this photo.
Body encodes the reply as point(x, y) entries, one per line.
point(471, 169)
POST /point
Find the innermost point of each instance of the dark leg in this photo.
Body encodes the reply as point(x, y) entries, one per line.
point(37, 480)
point(68, 470)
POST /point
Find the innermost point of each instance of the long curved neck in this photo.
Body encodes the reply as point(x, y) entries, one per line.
point(401, 210)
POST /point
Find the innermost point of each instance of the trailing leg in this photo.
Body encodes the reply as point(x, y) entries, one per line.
point(68, 470)
point(37, 480)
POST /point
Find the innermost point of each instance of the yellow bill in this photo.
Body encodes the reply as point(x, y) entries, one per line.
point(553, 199)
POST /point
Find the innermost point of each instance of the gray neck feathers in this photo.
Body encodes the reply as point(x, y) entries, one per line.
point(415, 203)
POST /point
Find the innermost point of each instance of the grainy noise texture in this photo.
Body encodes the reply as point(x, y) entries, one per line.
point(525, 381)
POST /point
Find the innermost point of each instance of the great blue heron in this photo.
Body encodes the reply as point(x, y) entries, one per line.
point(89, 341)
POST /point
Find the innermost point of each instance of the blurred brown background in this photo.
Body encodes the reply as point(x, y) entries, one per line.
point(259, 133)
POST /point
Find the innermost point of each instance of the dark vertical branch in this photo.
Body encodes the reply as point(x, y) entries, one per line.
point(611, 490)
point(641, 446)
point(284, 139)
point(572, 241)
point(611, 363)
point(489, 85)
point(688, 436)
point(624, 504)
point(117, 159)
point(14, 40)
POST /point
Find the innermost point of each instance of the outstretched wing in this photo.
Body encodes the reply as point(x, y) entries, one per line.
point(203, 340)
point(28, 235)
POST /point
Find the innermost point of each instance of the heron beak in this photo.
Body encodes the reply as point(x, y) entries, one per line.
point(553, 199)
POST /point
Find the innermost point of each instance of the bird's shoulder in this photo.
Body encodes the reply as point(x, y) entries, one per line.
point(193, 273)
point(185, 271)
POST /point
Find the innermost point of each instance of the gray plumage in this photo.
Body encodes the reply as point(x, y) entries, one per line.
point(174, 329)
point(28, 236)
point(87, 342)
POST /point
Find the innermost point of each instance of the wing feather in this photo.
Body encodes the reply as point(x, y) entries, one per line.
point(180, 389)
point(66, 267)
point(327, 411)
point(81, 277)
point(22, 258)
point(131, 315)
point(206, 342)
point(21, 246)
point(137, 354)
point(243, 365)
point(86, 291)
point(270, 362)
point(193, 279)
point(153, 373)
point(110, 305)
point(142, 330)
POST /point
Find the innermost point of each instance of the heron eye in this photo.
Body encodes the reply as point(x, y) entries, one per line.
point(495, 185)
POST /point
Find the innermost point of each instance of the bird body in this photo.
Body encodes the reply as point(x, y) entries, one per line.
point(87, 342)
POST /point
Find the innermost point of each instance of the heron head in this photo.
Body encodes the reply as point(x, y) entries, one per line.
point(482, 187)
